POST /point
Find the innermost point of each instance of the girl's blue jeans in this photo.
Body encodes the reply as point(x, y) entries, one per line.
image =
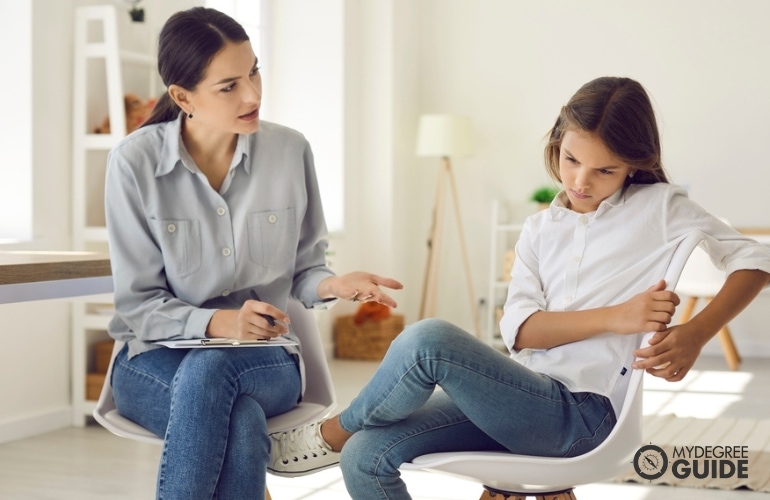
point(488, 401)
point(211, 406)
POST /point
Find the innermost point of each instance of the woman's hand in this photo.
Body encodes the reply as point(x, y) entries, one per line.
point(649, 311)
point(250, 322)
point(359, 286)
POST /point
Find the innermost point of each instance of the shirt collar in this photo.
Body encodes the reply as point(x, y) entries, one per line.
point(174, 152)
point(172, 144)
point(558, 209)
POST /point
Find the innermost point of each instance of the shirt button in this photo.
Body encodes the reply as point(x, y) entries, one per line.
point(171, 228)
point(568, 298)
point(221, 211)
point(584, 219)
point(272, 218)
point(226, 252)
point(225, 293)
point(576, 259)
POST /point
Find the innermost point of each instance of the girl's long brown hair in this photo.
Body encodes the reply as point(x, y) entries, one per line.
point(619, 111)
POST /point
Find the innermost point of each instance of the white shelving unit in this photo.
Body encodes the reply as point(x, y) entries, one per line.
point(503, 238)
point(99, 62)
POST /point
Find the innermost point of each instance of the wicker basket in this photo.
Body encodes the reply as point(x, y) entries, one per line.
point(368, 341)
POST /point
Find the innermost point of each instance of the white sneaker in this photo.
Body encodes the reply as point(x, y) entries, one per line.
point(300, 451)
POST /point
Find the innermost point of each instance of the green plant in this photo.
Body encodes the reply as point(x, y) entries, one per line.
point(544, 194)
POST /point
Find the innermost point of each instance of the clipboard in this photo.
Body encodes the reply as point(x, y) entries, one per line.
point(209, 343)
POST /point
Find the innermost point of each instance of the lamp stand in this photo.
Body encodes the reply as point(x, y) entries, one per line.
point(430, 283)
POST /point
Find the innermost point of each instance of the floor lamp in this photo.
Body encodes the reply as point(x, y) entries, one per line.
point(444, 136)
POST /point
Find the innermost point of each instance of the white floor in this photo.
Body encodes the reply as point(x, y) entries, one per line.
point(91, 464)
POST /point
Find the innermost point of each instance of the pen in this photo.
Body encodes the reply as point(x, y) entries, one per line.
point(269, 318)
point(233, 342)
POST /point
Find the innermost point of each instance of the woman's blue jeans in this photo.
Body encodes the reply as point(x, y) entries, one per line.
point(488, 401)
point(211, 406)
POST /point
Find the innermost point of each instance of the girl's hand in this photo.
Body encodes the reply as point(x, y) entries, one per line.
point(649, 311)
point(671, 353)
point(359, 286)
point(249, 322)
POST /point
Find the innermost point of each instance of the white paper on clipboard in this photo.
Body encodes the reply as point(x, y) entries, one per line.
point(209, 343)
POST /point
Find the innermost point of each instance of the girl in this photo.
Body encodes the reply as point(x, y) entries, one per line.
point(207, 209)
point(585, 284)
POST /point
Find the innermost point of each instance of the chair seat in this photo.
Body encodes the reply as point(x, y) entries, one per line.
point(299, 415)
point(123, 427)
point(494, 468)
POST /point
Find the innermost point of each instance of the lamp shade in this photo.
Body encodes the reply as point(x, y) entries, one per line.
point(445, 135)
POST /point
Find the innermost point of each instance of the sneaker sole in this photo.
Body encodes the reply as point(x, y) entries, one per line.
point(300, 473)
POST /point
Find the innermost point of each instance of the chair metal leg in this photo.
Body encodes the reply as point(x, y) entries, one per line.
point(486, 495)
point(492, 494)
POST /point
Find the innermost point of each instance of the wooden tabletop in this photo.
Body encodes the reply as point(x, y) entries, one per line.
point(17, 267)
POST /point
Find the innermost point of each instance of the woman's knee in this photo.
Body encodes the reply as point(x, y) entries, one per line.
point(248, 428)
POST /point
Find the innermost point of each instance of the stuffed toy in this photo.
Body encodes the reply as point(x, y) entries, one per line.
point(137, 111)
point(371, 311)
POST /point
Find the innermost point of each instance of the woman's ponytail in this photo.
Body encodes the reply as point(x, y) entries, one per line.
point(165, 110)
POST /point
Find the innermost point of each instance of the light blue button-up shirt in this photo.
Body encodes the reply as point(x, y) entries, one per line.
point(181, 250)
point(567, 261)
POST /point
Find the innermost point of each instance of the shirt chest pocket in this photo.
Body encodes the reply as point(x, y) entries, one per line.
point(180, 243)
point(272, 237)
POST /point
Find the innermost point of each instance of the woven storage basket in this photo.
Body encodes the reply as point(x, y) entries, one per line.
point(368, 341)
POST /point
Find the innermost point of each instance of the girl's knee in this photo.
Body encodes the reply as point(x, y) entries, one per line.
point(363, 454)
point(426, 333)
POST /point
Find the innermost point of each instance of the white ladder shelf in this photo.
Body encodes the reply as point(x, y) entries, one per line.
point(86, 234)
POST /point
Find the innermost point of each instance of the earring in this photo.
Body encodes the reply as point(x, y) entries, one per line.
point(189, 115)
point(629, 175)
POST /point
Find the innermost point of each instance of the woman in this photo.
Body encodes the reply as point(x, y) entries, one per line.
point(214, 221)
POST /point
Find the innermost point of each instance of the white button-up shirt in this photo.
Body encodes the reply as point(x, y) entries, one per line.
point(567, 261)
point(181, 250)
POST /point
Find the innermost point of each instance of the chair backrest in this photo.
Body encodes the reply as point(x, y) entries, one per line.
point(507, 471)
point(700, 278)
point(318, 401)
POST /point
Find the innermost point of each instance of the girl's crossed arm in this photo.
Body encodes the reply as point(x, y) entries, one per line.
point(651, 310)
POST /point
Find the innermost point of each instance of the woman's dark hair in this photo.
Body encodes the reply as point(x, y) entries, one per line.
point(619, 112)
point(187, 43)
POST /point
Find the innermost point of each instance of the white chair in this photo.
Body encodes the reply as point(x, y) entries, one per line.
point(319, 399)
point(518, 476)
point(702, 280)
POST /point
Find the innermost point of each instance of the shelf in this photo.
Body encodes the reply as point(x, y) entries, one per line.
point(96, 321)
point(95, 233)
point(99, 141)
point(90, 315)
point(502, 238)
point(499, 343)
